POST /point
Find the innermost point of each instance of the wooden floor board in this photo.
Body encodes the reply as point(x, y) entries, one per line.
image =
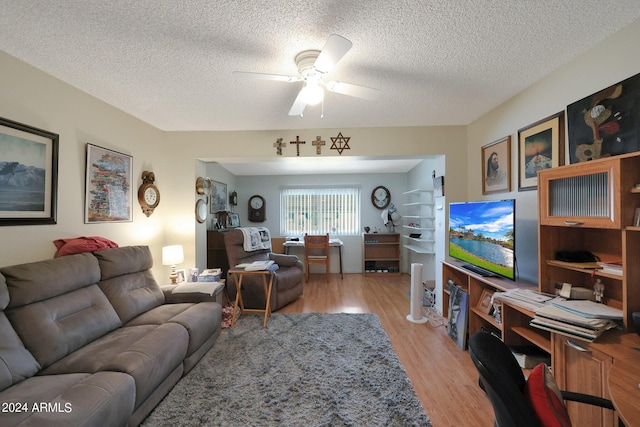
point(443, 376)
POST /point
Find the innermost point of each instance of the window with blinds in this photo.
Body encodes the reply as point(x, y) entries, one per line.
point(319, 210)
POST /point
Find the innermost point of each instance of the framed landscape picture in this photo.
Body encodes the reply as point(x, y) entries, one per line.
point(108, 186)
point(540, 146)
point(496, 166)
point(28, 174)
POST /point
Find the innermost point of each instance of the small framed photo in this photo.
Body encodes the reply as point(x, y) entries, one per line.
point(193, 274)
point(496, 166)
point(540, 146)
point(234, 219)
point(484, 303)
point(182, 276)
point(636, 218)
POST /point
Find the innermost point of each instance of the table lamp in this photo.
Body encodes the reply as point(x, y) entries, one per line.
point(172, 255)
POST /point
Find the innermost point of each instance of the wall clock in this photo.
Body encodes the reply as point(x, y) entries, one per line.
point(148, 193)
point(201, 211)
point(380, 197)
point(257, 209)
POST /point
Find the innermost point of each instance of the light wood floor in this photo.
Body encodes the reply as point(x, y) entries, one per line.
point(443, 376)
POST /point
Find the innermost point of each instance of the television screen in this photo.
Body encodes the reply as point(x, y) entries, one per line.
point(482, 234)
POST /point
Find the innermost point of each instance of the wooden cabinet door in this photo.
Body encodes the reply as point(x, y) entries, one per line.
point(580, 368)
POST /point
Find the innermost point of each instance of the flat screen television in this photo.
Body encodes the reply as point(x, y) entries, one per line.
point(482, 236)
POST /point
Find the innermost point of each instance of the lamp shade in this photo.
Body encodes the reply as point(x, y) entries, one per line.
point(172, 255)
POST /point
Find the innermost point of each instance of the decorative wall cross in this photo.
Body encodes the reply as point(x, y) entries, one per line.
point(297, 142)
point(279, 145)
point(318, 143)
point(340, 143)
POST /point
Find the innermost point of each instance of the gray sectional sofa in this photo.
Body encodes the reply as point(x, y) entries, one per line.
point(92, 340)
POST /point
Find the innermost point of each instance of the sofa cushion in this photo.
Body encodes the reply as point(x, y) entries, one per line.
point(16, 363)
point(545, 398)
point(38, 281)
point(201, 320)
point(102, 399)
point(4, 293)
point(148, 353)
point(56, 327)
point(127, 280)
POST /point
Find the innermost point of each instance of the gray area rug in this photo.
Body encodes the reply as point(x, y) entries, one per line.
point(301, 370)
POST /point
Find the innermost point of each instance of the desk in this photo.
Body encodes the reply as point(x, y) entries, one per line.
point(624, 388)
point(240, 273)
point(334, 243)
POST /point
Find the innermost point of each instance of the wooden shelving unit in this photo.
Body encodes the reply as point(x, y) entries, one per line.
point(514, 327)
point(381, 254)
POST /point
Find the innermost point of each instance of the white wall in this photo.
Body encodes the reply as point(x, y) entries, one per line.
point(613, 60)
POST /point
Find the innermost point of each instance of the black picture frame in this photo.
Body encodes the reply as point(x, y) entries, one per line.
point(28, 174)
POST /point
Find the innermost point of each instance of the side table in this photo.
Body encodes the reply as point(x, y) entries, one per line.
point(240, 273)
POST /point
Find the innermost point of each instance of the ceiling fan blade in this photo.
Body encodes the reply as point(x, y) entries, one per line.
point(264, 76)
point(357, 91)
point(298, 105)
point(334, 49)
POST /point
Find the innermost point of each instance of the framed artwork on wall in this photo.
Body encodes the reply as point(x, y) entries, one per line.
point(605, 123)
point(540, 146)
point(107, 186)
point(496, 166)
point(28, 174)
point(218, 197)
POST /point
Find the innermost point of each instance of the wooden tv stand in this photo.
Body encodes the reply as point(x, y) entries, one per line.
point(514, 328)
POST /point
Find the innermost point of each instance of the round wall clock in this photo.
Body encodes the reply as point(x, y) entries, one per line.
point(148, 193)
point(257, 209)
point(201, 211)
point(203, 186)
point(380, 197)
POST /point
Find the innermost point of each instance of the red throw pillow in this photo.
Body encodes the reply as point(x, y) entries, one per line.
point(79, 245)
point(545, 398)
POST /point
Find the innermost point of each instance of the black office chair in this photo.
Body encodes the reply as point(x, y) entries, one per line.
point(503, 382)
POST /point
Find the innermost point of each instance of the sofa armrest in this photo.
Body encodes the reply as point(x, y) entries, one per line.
point(173, 297)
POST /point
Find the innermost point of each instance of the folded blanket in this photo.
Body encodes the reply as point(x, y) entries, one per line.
point(77, 245)
point(256, 238)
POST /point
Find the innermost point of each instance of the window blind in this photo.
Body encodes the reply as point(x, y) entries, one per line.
point(319, 210)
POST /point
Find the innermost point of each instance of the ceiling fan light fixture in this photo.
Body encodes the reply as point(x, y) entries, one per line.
point(312, 93)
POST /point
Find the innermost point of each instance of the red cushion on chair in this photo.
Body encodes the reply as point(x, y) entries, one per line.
point(545, 398)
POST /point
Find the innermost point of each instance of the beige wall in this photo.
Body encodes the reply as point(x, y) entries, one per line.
point(616, 59)
point(34, 98)
point(37, 99)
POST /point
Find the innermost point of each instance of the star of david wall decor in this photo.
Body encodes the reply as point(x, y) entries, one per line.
point(340, 143)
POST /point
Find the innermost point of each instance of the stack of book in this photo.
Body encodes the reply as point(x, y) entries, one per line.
point(582, 319)
point(611, 267)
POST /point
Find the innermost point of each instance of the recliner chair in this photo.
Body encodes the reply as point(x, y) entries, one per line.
point(287, 284)
point(504, 383)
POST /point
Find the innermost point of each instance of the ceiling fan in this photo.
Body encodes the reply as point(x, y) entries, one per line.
point(313, 66)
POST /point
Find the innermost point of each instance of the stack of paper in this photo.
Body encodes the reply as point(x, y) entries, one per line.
point(525, 298)
point(581, 319)
point(258, 266)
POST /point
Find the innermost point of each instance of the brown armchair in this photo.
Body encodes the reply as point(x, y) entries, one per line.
point(287, 283)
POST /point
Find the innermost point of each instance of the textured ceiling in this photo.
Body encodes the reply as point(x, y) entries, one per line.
point(436, 62)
